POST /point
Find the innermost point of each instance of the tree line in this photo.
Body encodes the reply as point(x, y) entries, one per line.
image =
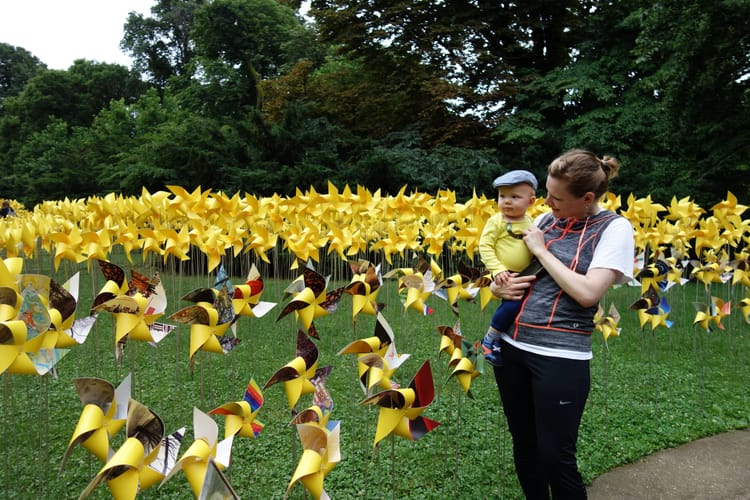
point(261, 96)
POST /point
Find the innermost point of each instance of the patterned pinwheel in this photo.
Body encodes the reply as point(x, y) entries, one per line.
point(297, 373)
point(130, 469)
point(321, 453)
point(711, 313)
point(467, 367)
point(196, 460)
point(401, 409)
point(364, 288)
point(608, 325)
point(209, 319)
point(103, 415)
point(309, 299)
point(240, 415)
point(377, 358)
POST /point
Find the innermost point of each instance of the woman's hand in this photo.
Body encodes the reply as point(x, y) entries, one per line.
point(514, 288)
point(534, 239)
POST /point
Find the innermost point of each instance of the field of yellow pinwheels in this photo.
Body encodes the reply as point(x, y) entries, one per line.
point(196, 343)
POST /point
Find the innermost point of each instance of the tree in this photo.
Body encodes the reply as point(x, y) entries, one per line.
point(696, 58)
point(74, 95)
point(161, 47)
point(17, 66)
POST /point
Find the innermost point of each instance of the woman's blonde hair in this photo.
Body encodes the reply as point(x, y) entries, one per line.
point(584, 171)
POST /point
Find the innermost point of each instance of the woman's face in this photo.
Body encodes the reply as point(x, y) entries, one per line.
point(563, 203)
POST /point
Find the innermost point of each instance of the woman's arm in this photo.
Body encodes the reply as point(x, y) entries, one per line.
point(586, 289)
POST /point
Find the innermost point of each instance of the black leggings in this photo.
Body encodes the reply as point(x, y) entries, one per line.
point(543, 399)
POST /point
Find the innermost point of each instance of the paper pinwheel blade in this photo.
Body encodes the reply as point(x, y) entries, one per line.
point(81, 328)
point(216, 486)
point(169, 449)
point(112, 272)
point(45, 360)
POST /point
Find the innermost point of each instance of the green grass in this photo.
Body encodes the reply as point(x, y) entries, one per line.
point(650, 390)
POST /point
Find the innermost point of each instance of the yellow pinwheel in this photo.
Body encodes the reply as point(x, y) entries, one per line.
point(609, 324)
point(13, 357)
point(176, 243)
point(205, 448)
point(240, 415)
point(209, 319)
point(653, 275)
point(68, 244)
point(307, 303)
point(246, 296)
point(414, 290)
point(711, 313)
point(321, 453)
point(741, 268)
point(297, 373)
point(364, 287)
point(127, 471)
point(457, 287)
point(401, 409)
point(377, 357)
point(451, 341)
point(62, 302)
point(465, 366)
point(657, 315)
point(744, 306)
point(103, 415)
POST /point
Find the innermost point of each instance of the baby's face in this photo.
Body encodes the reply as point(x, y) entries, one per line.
point(513, 201)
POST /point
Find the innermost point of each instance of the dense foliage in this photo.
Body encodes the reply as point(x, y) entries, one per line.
point(250, 95)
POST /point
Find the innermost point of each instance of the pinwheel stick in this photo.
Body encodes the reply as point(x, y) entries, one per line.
point(457, 454)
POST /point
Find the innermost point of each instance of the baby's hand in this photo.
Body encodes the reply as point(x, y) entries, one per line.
point(501, 278)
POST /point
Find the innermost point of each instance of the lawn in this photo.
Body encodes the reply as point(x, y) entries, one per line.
point(651, 389)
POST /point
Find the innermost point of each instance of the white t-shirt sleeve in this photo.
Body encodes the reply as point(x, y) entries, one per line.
point(616, 249)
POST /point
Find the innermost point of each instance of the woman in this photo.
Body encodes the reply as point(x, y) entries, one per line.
point(545, 380)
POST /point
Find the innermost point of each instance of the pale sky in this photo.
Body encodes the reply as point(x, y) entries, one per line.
point(58, 32)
